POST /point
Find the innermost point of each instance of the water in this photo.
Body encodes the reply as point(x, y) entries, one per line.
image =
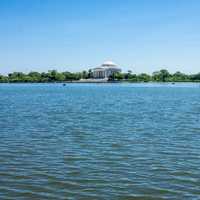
point(100, 141)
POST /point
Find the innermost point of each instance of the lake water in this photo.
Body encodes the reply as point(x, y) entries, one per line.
point(99, 141)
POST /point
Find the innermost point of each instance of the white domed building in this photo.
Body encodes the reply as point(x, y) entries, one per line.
point(106, 70)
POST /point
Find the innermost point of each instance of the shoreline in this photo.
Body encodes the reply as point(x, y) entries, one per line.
point(104, 82)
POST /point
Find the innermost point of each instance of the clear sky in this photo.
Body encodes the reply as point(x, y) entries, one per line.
point(73, 35)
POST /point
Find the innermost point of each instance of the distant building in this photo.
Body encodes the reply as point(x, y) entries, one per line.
point(105, 71)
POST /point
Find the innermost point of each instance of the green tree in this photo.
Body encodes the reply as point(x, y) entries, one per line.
point(52, 75)
point(162, 76)
point(195, 77)
point(17, 77)
point(84, 74)
point(178, 76)
point(3, 79)
point(34, 76)
point(89, 73)
point(59, 77)
point(143, 77)
point(118, 76)
point(128, 75)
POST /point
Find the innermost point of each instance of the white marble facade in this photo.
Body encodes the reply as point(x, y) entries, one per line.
point(105, 70)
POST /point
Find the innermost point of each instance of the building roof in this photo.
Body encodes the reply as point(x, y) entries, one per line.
point(109, 63)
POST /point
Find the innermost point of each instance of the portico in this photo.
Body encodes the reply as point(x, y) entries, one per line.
point(105, 71)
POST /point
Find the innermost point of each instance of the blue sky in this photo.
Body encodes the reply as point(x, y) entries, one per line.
point(73, 35)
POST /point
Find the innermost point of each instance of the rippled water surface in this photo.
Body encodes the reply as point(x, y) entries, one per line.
point(99, 141)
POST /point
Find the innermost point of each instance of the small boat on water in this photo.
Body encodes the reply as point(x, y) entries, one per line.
point(64, 84)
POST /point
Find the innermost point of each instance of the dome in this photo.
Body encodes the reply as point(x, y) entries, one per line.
point(109, 63)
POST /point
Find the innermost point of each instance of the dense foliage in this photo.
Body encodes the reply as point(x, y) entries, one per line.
point(54, 76)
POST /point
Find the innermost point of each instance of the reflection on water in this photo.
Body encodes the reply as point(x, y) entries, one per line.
point(99, 141)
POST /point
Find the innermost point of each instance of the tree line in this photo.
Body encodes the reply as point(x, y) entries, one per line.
point(55, 76)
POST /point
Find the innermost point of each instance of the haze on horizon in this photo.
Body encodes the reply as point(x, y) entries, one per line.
point(74, 35)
